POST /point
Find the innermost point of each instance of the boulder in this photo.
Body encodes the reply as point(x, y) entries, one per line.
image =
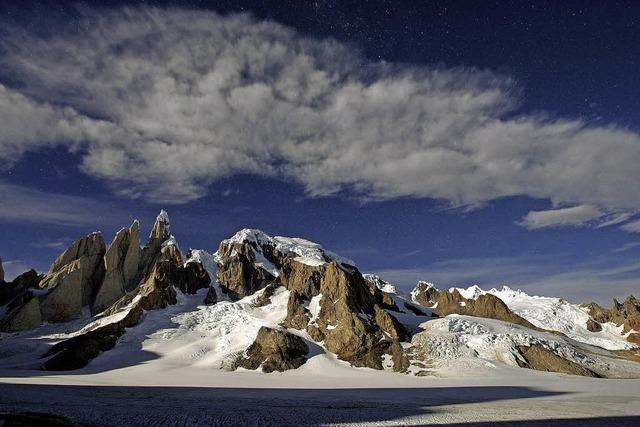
point(274, 350)
point(121, 267)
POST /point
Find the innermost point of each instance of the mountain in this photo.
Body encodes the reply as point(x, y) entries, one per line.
point(279, 304)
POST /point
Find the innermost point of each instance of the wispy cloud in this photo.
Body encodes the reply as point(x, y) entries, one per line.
point(22, 204)
point(627, 247)
point(633, 226)
point(186, 98)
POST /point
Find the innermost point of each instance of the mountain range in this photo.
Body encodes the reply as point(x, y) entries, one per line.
point(263, 303)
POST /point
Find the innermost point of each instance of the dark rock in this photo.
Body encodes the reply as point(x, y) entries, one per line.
point(211, 298)
point(23, 313)
point(76, 352)
point(274, 350)
point(195, 278)
point(18, 286)
point(593, 326)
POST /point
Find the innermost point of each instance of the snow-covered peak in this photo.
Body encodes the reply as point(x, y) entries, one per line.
point(472, 292)
point(161, 228)
point(551, 313)
point(163, 216)
point(307, 252)
point(380, 283)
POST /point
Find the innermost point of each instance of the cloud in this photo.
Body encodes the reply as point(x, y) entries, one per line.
point(633, 226)
point(162, 102)
point(564, 217)
point(22, 204)
point(626, 247)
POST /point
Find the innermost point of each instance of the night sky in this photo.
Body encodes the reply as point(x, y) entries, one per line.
point(93, 136)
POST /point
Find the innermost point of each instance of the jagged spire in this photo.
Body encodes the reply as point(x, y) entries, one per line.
point(161, 230)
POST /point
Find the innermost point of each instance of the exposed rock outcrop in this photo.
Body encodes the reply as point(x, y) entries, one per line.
point(76, 352)
point(65, 289)
point(1, 273)
point(23, 313)
point(297, 315)
point(347, 320)
point(18, 286)
point(539, 358)
point(89, 251)
point(626, 314)
point(238, 274)
point(274, 350)
point(121, 262)
point(447, 302)
point(211, 298)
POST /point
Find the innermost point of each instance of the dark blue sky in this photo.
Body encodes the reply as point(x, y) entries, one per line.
point(569, 60)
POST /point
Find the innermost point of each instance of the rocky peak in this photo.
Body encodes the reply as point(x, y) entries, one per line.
point(121, 262)
point(161, 230)
point(1, 272)
point(91, 246)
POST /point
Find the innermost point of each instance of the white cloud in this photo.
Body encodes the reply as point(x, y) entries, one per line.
point(188, 97)
point(563, 217)
point(633, 226)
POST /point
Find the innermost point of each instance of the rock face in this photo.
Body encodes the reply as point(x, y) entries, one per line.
point(1, 273)
point(76, 352)
point(626, 314)
point(121, 262)
point(274, 350)
point(539, 358)
point(89, 251)
point(211, 298)
point(350, 322)
point(349, 313)
point(23, 314)
point(238, 275)
point(64, 300)
point(19, 285)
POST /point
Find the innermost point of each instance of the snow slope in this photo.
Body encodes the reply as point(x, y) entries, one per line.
point(555, 314)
